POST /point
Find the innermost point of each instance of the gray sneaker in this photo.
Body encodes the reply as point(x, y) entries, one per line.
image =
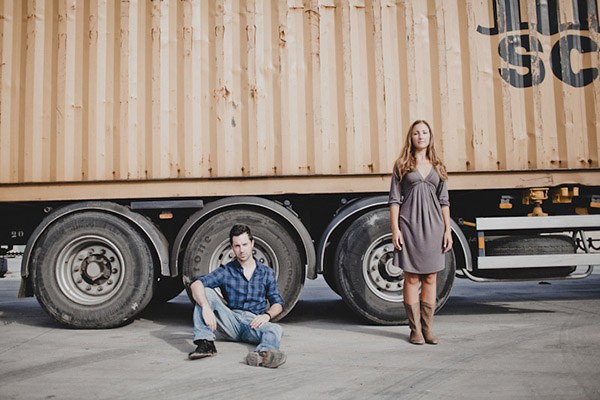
point(268, 358)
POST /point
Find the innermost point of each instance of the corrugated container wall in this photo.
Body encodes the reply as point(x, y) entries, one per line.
point(132, 90)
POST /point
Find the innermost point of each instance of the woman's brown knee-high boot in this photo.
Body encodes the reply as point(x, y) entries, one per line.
point(414, 322)
point(427, 311)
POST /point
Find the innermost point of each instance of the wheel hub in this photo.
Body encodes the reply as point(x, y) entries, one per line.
point(90, 270)
point(95, 269)
point(383, 278)
point(391, 269)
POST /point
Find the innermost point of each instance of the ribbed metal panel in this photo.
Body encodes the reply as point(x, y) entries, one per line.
point(104, 90)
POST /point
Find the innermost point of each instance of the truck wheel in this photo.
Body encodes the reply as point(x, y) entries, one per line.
point(208, 248)
point(369, 283)
point(92, 270)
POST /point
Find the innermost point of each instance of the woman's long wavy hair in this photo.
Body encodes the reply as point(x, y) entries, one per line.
point(407, 162)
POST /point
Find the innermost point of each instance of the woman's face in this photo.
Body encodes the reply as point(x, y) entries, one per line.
point(420, 136)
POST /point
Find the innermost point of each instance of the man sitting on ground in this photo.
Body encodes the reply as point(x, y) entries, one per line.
point(246, 285)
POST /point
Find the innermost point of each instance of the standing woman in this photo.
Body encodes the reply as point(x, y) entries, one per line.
point(420, 219)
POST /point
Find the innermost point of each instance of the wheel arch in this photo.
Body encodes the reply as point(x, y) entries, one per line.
point(462, 251)
point(296, 228)
point(159, 244)
point(343, 218)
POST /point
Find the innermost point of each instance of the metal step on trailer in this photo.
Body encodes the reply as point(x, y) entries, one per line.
point(576, 224)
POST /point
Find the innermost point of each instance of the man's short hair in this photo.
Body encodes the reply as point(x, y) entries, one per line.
point(238, 230)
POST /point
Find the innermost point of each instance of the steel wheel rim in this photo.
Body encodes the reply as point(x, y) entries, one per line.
point(382, 278)
point(90, 270)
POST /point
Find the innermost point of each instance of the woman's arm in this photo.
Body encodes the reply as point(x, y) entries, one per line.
point(447, 243)
point(395, 202)
point(397, 239)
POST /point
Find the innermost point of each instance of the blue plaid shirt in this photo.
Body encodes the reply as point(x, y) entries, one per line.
point(242, 294)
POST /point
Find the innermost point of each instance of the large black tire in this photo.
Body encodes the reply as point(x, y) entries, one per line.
point(528, 245)
point(369, 283)
point(92, 270)
point(167, 288)
point(208, 248)
point(331, 280)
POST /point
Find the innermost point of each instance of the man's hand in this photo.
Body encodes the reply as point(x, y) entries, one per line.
point(209, 317)
point(259, 321)
point(199, 296)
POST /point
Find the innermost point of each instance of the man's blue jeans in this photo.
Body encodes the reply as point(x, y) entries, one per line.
point(234, 325)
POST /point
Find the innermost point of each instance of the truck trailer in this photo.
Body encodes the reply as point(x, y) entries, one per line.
point(134, 133)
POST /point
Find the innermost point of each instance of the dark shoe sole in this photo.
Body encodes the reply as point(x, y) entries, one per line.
point(197, 356)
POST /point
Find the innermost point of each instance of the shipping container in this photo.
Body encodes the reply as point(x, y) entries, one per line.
point(133, 133)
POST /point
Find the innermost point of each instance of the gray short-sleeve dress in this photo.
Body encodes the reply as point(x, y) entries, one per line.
point(421, 200)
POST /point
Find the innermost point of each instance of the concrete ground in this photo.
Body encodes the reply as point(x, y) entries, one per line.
point(521, 340)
